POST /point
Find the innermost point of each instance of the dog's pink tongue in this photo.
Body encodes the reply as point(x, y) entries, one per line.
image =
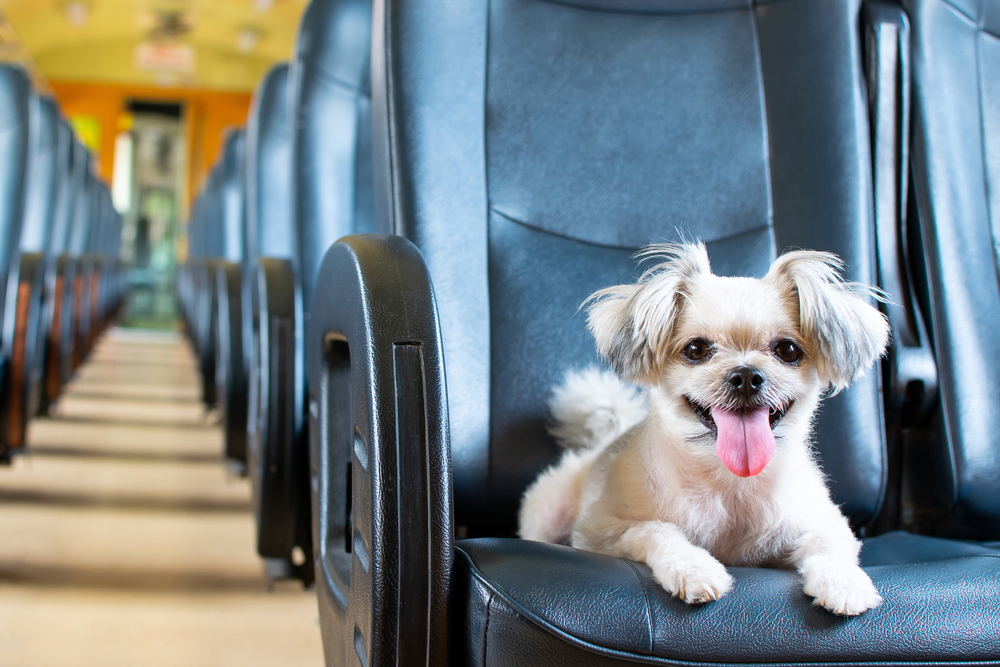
point(745, 442)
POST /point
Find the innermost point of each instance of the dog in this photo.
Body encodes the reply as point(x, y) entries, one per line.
point(712, 464)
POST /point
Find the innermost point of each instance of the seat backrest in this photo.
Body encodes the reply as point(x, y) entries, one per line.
point(43, 179)
point(71, 191)
point(196, 226)
point(97, 221)
point(83, 213)
point(956, 177)
point(16, 136)
point(330, 98)
point(67, 160)
point(109, 233)
point(269, 224)
point(232, 182)
point(529, 148)
point(213, 243)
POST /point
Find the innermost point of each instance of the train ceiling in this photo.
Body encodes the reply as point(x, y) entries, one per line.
point(208, 44)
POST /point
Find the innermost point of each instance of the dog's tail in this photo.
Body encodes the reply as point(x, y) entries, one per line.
point(592, 408)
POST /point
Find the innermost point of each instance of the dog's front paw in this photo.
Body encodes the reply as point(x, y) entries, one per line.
point(696, 578)
point(844, 589)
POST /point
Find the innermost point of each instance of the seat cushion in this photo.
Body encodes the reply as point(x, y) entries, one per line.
point(533, 603)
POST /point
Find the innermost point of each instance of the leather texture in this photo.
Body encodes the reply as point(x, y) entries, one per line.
point(543, 143)
point(956, 174)
point(531, 603)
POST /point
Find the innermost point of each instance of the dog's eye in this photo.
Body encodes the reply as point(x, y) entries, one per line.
point(788, 351)
point(697, 350)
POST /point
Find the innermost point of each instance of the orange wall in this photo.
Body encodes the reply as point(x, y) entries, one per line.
point(207, 114)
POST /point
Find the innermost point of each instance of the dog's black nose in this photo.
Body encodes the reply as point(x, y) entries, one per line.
point(746, 381)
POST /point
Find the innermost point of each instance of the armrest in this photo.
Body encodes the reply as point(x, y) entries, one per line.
point(380, 455)
point(912, 372)
point(63, 345)
point(278, 460)
point(207, 328)
point(23, 306)
point(230, 375)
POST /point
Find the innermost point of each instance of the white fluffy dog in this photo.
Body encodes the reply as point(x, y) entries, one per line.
point(714, 466)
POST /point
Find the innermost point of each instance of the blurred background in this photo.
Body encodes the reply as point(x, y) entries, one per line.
point(150, 87)
point(124, 540)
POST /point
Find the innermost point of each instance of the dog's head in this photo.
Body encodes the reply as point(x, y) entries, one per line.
point(739, 359)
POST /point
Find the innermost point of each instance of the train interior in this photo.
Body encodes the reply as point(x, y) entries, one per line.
point(293, 295)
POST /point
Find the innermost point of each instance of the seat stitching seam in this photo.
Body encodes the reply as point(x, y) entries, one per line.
point(638, 12)
point(959, 11)
point(326, 77)
point(486, 627)
point(649, 610)
point(567, 237)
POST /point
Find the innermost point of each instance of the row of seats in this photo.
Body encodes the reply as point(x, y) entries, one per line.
point(257, 235)
point(388, 262)
point(60, 238)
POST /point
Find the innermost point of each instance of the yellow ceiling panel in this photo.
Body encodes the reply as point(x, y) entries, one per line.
point(234, 41)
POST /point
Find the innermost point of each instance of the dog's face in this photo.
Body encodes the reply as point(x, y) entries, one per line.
point(740, 361)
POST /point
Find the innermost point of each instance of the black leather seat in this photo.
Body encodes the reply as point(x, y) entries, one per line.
point(68, 282)
point(526, 149)
point(109, 243)
point(954, 486)
point(230, 364)
point(55, 267)
point(188, 273)
point(79, 238)
point(330, 112)
point(26, 337)
point(82, 270)
point(93, 262)
point(204, 290)
point(271, 243)
point(16, 99)
point(102, 265)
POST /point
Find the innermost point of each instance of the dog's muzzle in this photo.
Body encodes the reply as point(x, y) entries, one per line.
point(744, 435)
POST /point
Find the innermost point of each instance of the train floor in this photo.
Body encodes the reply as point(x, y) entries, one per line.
point(123, 541)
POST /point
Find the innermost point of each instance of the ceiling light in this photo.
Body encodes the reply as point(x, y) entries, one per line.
point(263, 5)
point(246, 40)
point(77, 12)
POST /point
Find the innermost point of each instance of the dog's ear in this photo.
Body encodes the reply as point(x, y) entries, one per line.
point(632, 323)
point(844, 331)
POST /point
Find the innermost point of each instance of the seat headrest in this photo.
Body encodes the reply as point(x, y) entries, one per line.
point(40, 204)
point(334, 37)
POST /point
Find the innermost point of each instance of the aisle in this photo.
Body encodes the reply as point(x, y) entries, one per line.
point(123, 542)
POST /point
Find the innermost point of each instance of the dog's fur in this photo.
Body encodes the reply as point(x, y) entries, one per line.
point(651, 487)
